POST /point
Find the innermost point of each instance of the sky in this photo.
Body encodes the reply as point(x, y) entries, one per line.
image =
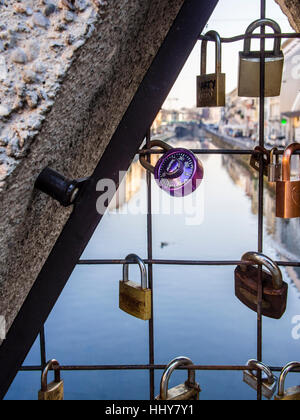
point(230, 18)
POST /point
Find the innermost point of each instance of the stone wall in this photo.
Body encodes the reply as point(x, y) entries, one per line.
point(68, 71)
point(292, 9)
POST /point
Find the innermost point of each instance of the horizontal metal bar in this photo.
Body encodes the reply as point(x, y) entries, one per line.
point(214, 152)
point(183, 262)
point(252, 36)
point(150, 366)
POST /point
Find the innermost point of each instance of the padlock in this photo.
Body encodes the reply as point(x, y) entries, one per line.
point(291, 394)
point(178, 171)
point(287, 191)
point(275, 290)
point(274, 168)
point(249, 69)
point(256, 156)
point(190, 390)
point(55, 390)
point(135, 299)
point(269, 381)
point(211, 88)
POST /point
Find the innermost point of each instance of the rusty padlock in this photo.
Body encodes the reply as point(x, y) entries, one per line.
point(275, 290)
point(190, 390)
point(256, 156)
point(287, 191)
point(211, 88)
point(55, 390)
point(249, 70)
point(135, 299)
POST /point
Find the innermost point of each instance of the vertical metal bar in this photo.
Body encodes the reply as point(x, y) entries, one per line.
point(261, 196)
point(150, 268)
point(43, 348)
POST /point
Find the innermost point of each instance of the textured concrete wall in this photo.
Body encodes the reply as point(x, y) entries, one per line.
point(68, 71)
point(292, 9)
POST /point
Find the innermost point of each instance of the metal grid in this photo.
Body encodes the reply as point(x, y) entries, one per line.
point(151, 367)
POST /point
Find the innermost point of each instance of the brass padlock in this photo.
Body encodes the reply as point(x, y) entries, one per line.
point(275, 290)
point(55, 390)
point(287, 191)
point(249, 69)
point(274, 168)
point(211, 87)
point(291, 394)
point(256, 158)
point(190, 390)
point(269, 381)
point(133, 298)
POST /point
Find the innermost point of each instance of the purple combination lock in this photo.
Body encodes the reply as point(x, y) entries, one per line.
point(178, 171)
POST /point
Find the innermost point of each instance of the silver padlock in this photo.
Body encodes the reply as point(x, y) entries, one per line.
point(269, 381)
point(274, 168)
point(190, 390)
point(290, 394)
point(249, 70)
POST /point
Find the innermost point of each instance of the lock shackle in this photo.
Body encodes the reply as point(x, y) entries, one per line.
point(283, 375)
point(260, 259)
point(52, 364)
point(153, 143)
point(135, 258)
point(174, 364)
point(286, 160)
point(272, 152)
point(253, 363)
point(263, 22)
point(215, 37)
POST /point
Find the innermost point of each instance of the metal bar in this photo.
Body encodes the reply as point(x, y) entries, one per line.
point(150, 268)
point(152, 367)
point(43, 348)
point(214, 152)
point(261, 195)
point(252, 36)
point(184, 262)
point(117, 157)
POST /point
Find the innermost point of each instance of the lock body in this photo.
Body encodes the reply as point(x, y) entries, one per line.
point(275, 290)
point(249, 74)
point(183, 392)
point(288, 199)
point(256, 157)
point(211, 90)
point(54, 392)
point(134, 299)
point(291, 394)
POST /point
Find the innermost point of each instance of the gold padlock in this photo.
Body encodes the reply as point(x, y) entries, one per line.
point(291, 394)
point(190, 390)
point(287, 191)
point(249, 69)
point(55, 390)
point(134, 299)
point(211, 87)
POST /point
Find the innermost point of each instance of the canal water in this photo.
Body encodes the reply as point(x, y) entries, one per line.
point(196, 313)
